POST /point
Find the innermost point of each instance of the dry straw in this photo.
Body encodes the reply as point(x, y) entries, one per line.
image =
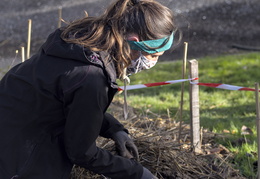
point(164, 156)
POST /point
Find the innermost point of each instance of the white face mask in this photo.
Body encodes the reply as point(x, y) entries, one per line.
point(139, 64)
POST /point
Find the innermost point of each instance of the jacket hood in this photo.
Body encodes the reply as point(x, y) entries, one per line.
point(56, 47)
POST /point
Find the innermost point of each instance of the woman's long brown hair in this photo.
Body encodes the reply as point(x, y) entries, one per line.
point(108, 32)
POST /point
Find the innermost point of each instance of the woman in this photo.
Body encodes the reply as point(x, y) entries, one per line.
point(53, 106)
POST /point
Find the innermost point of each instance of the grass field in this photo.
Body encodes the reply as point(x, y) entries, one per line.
point(221, 111)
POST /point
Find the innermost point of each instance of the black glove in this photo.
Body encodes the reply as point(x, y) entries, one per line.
point(147, 174)
point(125, 145)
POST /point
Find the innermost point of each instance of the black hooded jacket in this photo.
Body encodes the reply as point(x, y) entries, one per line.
point(53, 108)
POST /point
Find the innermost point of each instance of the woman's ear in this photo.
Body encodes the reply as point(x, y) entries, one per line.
point(133, 37)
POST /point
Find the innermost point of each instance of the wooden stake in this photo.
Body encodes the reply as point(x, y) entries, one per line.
point(184, 66)
point(23, 54)
point(194, 107)
point(29, 38)
point(185, 60)
point(60, 17)
point(258, 127)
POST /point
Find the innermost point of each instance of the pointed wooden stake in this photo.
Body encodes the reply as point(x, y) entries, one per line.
point(258, 127)
point(60, 17)
point(29, 38)
point(23, 54)
point(194, 107)
point(184, 66)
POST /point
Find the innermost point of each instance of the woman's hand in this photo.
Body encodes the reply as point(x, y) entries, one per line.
point(125, 145)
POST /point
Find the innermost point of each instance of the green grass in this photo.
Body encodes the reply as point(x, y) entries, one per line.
point(219, 109)
point(246, 156)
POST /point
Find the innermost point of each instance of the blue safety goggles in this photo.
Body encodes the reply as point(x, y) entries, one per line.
point(153, 46)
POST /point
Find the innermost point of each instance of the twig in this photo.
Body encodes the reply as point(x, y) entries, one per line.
point(16, 54)
point(223, 160)
point(4, 42)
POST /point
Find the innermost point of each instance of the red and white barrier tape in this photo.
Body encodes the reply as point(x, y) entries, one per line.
point(131, 87)
point(224, 86)
point(213, 85)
